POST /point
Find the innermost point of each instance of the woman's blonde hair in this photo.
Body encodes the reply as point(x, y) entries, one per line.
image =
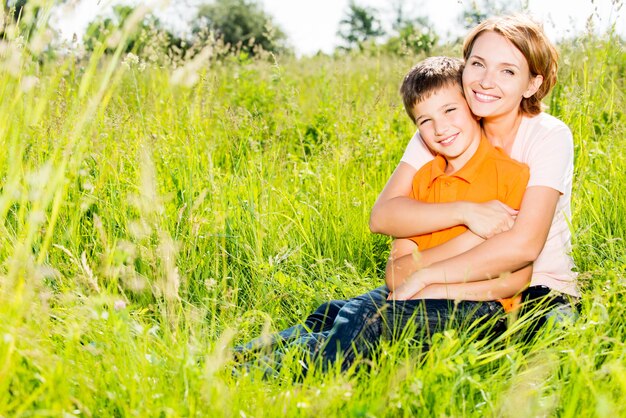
point(529, 38)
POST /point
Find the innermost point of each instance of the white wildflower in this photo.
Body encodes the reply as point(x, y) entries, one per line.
point(28, 83)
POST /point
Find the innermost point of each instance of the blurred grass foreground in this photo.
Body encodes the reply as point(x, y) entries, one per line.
point(155, 210)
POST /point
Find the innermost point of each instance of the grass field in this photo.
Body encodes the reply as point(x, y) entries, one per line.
point(152, 217)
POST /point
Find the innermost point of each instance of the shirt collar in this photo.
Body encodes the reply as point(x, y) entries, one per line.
point(469, 171)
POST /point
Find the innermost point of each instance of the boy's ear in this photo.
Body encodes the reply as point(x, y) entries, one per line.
point(533, 85)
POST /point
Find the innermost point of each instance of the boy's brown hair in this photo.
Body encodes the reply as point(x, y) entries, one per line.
point(528, 37)
point(428, 76)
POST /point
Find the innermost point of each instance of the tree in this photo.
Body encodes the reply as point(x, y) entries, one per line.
point(413, 34)
point(14, 12)
point(476, 12)
point(13, 8)
point(359, 26)
point(148, 35)
point(242, 25)
point(99, 29)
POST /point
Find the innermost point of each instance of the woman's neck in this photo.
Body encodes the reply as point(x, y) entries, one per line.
point(502, 130)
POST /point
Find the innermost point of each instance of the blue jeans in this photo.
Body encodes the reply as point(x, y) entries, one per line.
point(341, 330)
point(541, 306)
point(330, 330)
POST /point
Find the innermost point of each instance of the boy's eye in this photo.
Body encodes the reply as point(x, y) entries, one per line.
point(450, 109)
point(423, 121)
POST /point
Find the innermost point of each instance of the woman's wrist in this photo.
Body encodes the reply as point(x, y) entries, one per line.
point(420, 276)
point(433, 291)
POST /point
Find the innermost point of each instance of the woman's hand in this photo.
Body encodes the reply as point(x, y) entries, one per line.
point(489, 218)
point(413, 285)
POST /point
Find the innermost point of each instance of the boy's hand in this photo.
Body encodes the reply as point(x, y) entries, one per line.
point(489, 218)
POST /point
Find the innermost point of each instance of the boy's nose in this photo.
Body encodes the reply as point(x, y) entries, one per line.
point(441, 127)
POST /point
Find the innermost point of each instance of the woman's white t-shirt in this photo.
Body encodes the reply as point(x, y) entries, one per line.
point(545, 144)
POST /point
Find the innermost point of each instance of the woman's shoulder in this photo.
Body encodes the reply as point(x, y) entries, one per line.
point(417, 153)
point(543, 129)
point(544, 122)
point(543, 138)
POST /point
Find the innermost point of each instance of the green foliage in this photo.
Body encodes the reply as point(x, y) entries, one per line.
point(242, 25)
point(13, 9)
point(146, 35)
point(414, 37)
point(20, 14)
point(361, 30)
point(150, 220)
point(359, 26)
point(476, 12)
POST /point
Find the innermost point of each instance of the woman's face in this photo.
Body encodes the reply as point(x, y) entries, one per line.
point(496, 77)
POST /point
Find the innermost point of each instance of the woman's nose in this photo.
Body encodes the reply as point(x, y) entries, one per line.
point(487, 81)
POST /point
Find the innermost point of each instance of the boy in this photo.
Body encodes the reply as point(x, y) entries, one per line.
point(466, 167)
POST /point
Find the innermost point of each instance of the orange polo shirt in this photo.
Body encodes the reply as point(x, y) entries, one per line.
point(490, 174)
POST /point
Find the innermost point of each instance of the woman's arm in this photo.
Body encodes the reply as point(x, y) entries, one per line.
point(457, 245)
point(505, 286)
point(508, 251)
point(397, 215)
point(404, 259)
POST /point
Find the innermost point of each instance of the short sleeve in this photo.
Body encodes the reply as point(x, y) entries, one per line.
point(551, 159)
point(417, 153)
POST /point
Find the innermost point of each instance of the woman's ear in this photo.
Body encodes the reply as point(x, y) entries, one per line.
point(533, 85)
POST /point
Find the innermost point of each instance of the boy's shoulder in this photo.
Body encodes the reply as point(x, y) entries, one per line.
point(427, 169)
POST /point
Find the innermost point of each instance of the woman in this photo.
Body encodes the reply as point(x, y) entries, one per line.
point(510, 66)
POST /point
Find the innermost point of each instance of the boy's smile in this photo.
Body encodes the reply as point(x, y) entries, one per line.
point(448, 141)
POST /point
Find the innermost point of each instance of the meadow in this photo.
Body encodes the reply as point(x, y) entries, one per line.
point(152, 217)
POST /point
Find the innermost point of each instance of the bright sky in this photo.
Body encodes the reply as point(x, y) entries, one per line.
point(311, 25)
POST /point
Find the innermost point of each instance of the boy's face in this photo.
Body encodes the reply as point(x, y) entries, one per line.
point(447, 126)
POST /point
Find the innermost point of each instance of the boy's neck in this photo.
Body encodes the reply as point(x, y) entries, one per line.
point(502, 131)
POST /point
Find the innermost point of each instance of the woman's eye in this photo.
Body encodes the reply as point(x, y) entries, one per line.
point(509, 72)
point(476, 64)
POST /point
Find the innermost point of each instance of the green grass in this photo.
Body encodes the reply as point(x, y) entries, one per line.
point(147, 225)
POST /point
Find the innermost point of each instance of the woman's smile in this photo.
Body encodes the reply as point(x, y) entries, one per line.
point(486, 98)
